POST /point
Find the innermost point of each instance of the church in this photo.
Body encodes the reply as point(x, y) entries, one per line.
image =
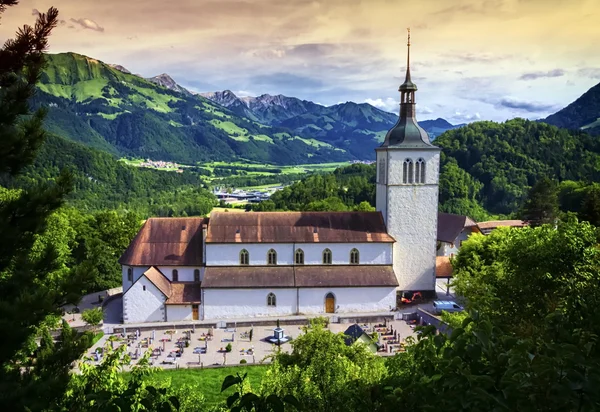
point(240, 265)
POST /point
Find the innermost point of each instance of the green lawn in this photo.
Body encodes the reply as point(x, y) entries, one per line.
point(211, 379)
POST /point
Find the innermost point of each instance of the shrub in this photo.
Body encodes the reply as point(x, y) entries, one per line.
point(243, 361)
point(228, 347)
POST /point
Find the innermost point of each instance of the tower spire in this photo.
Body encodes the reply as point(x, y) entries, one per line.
point(408, 57)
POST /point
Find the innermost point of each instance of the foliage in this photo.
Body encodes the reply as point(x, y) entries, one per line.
point(541, 205)
point(518, 276)
point(244, 400)
point(33, 282)
point(92, 317)
point(508, 158)
point(323, 373)
point(228, 347)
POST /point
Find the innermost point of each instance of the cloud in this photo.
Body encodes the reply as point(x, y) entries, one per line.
point(523, 105)
point(461, 117)
point(388, 104)
point(35, 12)
point(487, 58)
point(88, 24)
point(286, 81)
point(540, 74)
point(591, 72)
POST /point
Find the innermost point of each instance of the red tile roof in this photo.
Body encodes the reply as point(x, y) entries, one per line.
point(450, 226)
point(159, 280)
point(184, 293)
point(166, 241)
point(301, 227)
point(310, 276)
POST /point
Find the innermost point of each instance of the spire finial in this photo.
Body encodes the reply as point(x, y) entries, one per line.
point(408, 56)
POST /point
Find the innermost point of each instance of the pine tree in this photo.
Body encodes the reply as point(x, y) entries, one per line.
point(27, 294)
point(541, 205)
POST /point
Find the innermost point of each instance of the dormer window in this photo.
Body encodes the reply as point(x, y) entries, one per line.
point(327, 258)
point(244, 257)
point(272, 257)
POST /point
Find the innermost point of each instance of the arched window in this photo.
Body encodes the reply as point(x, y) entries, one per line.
point(354, 257)
point(130, 274)
point(175, 275)
point(420, 171)
point(196, 275)
point(327, 257)
point(299, 257)
point(272, 257)
point(271, 300)
point(408, 173)
point(244, 257)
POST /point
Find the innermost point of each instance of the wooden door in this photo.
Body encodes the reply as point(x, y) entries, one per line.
point(194, 312)
point(329, 303)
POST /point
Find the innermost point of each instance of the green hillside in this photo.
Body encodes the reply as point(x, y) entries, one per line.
point(102, 182)
point(102, 107)
point(487, 169)
point(583, 113)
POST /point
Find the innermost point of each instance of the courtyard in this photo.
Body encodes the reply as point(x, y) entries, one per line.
point(208, 347)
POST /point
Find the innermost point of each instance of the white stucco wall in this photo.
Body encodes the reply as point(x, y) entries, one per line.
point(242, 303)
point(369, 253)
point(141, 305)
point(185, 273)
point(179, 312)
point(381, 187)
point(228, 254)
point(137, 272)
point(411, 218)
point(348, 300)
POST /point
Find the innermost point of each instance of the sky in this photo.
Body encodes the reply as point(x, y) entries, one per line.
point(471, 59)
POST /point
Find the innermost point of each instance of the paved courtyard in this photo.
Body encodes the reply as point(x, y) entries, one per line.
point(206, 350)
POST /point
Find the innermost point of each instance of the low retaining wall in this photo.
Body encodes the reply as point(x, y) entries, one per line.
point(425, 317)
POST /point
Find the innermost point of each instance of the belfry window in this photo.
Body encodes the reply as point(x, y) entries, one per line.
point(175, 275)
point(244, 257)
point(420, 171)
point(196, 275)
point(299, 257)
point(271, 300)
point(130, 274)
point(327, 258)
point(408, 173)
point(354, 257)
point(272, 257)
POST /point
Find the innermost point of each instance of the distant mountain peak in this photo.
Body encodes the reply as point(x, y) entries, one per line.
point(582, 114)
point(167, 81)
point(120, 68)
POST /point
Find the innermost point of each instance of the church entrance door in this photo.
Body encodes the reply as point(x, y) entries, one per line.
point(194, 312)
point(330, 303)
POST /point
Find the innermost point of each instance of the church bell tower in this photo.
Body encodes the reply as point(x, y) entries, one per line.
point(407, 193)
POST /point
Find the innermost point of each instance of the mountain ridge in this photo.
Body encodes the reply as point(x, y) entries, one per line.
point(581, 114)
point(103, 107)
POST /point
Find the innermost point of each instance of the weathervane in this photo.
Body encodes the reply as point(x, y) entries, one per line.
point(408, 44)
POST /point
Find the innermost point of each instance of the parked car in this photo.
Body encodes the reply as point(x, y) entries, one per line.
point(446, 305)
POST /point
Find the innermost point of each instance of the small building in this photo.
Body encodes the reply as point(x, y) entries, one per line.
point(355, 334)
point(487, 227)
point(452, 231)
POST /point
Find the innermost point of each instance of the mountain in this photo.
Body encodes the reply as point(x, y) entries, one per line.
point(120, 68)
point(436, 127)
point(167, 82)
point(583, 113)
point(126, 115)
point(355, 127)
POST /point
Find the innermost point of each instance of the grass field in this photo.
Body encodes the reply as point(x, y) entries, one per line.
point(211, 379)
